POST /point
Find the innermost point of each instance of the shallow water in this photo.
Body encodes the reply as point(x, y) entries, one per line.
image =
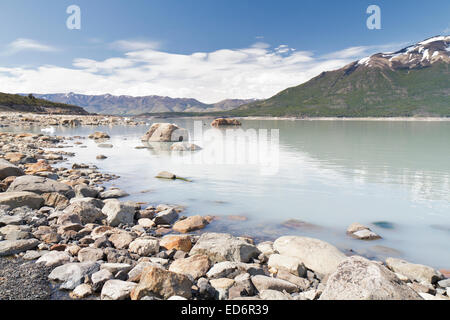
point(329, 174)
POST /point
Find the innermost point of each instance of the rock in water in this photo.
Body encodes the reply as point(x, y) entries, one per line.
point(166, 175)
point(99, 135)
point(413, 271)
point(190, 224)
point(358, 231)
point(40, 185)
point(315, 254)
point(7, 169)
point(224, 247)
point(163, 283)
point(225, 122)
point(165, 132)
point(184, 146)
point(357, 278)
point(21, 198)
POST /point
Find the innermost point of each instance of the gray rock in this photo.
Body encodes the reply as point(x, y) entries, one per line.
point(40, 185)
point(117, 290)
point(184, 146)
point(10, 220)
point(413, 271)
point(268, 283)
point(93, 201)
point(99, 278)
point(274, 295)
point(73, 274)
point(144, 247)
point(224, 247)
point(83, 190)
point(444, 283)
point(357, 278)
point(302, 283)
point(54, 258)
point(90, 254)
point(165, 132)
point(86, 211)
point(7, 169)
point(113, 193)
point(224, 269)
point(168, 216)
point(21, 198)
point(118, 212)
point(10, 247)
point(290, 264)
point(116, 267)
point(315, 254)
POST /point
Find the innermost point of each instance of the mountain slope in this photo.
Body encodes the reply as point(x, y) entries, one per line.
point(128, 105)
point(19, 103)
point(414, 81)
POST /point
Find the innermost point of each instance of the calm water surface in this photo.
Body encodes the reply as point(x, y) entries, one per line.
point(330, 174)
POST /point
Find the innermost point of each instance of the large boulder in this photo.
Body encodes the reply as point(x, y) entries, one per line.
point(40, 185)
point(21, 198)
point(315, 254)
point(7, 169)
point(87, 212)
point(72, 274)
point(357, 278)
point(417, 272)
point(118, 212)
point(163, 283)
point(165, 132)
point(10, 247)
point(225, 122)
point(224, 247)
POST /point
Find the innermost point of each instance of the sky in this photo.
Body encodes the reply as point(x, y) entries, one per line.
point(205, 49)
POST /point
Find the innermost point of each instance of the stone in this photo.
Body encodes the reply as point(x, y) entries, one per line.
point(33, 254)
point(68, 218)
point(196, 266)
point(268, 283)
point(222, 287)
point(266, 248)
point(82, 291)
point(10, 247)
point(99, 278)
point(427, 296)
point(361, 232)
point(224, 247)
point(86, 211)
point(444, 283)
point(413, 271)
point(190, 224)
point(315, 254)
point(225, 122)
point(144, 246)
point(165, 132)
point(166, 217)
point(162, 283)
point(118, 212)
point(99, 135)
point(113, 193)
point(10, 220)
point(73, 274)
point(90, 254)
point(21, 198)
point(93, 201)
point(13, 232)
point(54, 258)
point(274, 295)
point(290, 264)
point(40, 185)
point(135, 273)
point(116, 267)
point(357, 278)
point(83, 191)
point(117, 290)
point(184, 146)
point(146, 223)
point(177, 242)
point(166, 175)
point(224, 269)
point(55, 200)
point(121, 240)
point(7, 169)
point(101, 157)
point(302, 283)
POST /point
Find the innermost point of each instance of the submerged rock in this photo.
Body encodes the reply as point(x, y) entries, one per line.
point(358, 231)
point(184, 146)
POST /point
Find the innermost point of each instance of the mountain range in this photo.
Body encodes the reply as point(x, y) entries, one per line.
point(414, 81)
point(129, 105)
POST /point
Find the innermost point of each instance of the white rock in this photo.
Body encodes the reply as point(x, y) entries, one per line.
point(117, 290)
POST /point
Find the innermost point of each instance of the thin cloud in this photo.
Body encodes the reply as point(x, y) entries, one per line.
point(23, 44)
point(257, 71)
point(133, 45)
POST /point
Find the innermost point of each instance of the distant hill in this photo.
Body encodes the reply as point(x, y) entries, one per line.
point(414, 81)
point(129, 105)
point(20, 103)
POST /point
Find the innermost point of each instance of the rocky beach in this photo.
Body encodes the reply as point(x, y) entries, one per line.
point(64, 235)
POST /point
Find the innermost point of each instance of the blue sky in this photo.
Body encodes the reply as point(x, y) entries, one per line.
point(209, 50)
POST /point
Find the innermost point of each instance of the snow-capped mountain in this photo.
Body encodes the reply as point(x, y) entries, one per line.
point(422, 54)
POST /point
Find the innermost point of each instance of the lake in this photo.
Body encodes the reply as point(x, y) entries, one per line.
point(327, 174)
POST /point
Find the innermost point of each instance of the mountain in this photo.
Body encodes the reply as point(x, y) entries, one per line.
point(414, 81)
point(128, 105)
point(29, 103)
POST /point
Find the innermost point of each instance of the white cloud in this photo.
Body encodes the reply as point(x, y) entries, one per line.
point(257, 71)
point(446, 30)
point(23, 44)
point(133, 45)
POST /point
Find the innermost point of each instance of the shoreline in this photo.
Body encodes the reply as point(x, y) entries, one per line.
point(82, 223)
